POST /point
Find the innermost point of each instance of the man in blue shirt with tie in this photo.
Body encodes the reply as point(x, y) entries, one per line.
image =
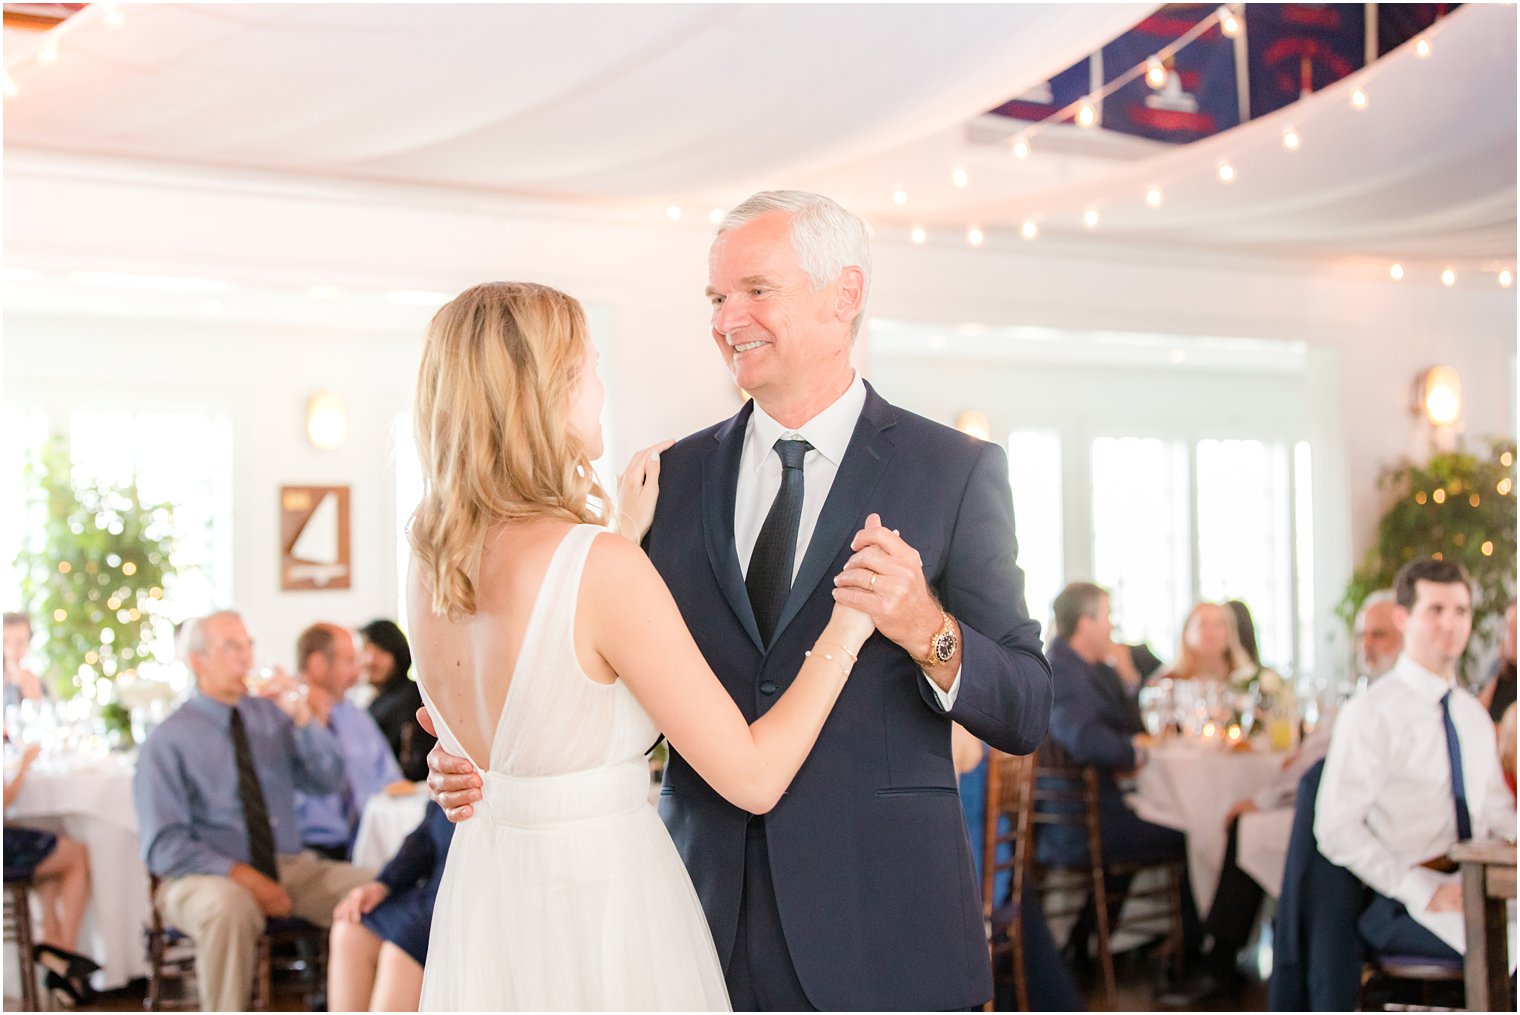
point(329, 669)
point(215, 796)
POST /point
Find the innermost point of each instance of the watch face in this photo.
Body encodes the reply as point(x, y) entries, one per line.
point(944, 646)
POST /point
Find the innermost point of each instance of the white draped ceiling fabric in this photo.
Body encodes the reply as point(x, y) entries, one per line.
point(631, 104)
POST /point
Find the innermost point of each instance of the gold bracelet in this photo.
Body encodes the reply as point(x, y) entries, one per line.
point(837, 644)
point(809, 654)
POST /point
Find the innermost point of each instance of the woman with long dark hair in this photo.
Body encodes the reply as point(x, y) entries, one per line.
point(387, 663)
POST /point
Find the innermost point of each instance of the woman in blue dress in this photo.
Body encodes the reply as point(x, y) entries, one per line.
point(379, 938)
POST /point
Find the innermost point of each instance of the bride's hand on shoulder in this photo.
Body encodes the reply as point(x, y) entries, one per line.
point(638, 489)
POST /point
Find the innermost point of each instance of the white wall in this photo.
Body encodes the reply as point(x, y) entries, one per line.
point(1368, 336)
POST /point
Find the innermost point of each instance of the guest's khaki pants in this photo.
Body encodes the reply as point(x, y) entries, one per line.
point(225, 923)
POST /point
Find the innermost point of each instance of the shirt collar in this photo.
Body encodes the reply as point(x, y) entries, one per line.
point(1429, 686)
point(829, 432)
point(215, 709)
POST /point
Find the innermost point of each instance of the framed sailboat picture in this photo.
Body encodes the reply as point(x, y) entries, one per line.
point(314, 538)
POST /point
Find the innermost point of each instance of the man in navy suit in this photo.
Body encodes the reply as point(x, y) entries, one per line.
point(857, 891)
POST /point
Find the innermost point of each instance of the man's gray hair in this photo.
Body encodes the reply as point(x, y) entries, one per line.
point(194, 636)
point(1380, 596)
point(827, 238)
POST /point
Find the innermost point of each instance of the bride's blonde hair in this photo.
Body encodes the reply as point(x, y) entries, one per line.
point(492, 429)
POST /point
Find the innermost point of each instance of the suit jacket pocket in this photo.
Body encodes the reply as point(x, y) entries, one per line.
point(917, 791)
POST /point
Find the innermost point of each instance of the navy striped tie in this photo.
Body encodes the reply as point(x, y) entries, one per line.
point(1458, 783)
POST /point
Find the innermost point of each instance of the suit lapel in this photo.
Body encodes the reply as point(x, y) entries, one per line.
point(720, 486)
point(844, 512)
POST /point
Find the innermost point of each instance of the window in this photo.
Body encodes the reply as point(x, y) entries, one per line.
point(1034, 472)
point(25, 433)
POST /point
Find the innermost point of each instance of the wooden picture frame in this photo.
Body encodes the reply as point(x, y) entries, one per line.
point(314, 538)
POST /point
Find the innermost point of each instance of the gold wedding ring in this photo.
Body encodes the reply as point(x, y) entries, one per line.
point(873, 582)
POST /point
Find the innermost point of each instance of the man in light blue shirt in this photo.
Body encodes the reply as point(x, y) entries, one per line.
point(215, 796)
point(329, 668)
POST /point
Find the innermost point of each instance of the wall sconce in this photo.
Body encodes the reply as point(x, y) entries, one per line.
point(974, 422)
point(326, 420)
point(1438, 396)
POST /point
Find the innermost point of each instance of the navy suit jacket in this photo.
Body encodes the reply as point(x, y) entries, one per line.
point(870, 860)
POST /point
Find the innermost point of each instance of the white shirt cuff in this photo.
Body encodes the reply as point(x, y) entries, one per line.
point(946, 698)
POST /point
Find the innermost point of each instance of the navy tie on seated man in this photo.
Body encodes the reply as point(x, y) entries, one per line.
point(215, 796)
point(1095, 718)
point(1413, 769)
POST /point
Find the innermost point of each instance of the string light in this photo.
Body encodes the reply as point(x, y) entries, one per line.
point(899, 197)
point(1487, 548)
point(959, 178)
point(673, 213)
point(715, 216)
point(1226, 173)
point(49, 54)
point(1155, 72)
point(1291, 140)
point(1020, 148)
point(1448, 278)
point(1422, 48)
point(1506, 279)
point(919, 235)
point(1229, 24)
point(1029, 230)
point(1358, 98)
point(1153, 197)
point(975, 237)
point(1090, 218)
point(11, 91)
point(113, 17)
point(1396, 272)
point(1087, 116)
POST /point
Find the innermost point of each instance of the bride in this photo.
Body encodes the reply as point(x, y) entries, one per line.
point(550, 653)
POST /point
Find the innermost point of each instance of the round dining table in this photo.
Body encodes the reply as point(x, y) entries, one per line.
point(89, 798)
point(1191, 786)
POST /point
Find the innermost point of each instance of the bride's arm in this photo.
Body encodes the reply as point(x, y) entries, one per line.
point(636, 627)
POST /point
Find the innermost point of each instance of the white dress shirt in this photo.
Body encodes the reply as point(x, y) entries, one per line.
point(829, 433)
point(1385, 801)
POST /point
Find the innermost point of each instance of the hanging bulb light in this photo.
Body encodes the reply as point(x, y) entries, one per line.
point(899, 197)
point(1226, 173)
point(10, 88)
point(1396, 272)
point(1291, 140)
point(49, 55)
point(1087, 115)
point(112, 16)
point(1422, 48)
point(1029, 230)
point(1155, 72)
point(1229, 24)
point(1506, 278)
point(1448, 278)
point(1090, 218)
point(715, 216)
point(959, 177)
point(1358, 98)
point(919, 235)
point(673, 213)
point(1020, 148)
point(1153, 197)
point(975, 236)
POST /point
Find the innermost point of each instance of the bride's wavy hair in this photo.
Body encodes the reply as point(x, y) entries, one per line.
point(493, 436)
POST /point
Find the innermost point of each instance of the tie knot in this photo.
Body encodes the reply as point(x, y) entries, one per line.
point(1446, 702)
point(791, 451)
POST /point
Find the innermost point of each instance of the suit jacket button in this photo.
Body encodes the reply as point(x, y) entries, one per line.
point(768, 687)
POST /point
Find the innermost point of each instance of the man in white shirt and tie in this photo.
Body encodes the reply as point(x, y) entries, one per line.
point(1412, 770)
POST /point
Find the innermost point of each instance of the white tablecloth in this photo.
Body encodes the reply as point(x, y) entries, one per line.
point(1261, 848)
point(91, 801)
point(1191, 789)
point(386, 821)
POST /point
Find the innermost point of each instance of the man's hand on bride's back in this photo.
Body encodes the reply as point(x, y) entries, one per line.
point(638, 489)
point(452, 780)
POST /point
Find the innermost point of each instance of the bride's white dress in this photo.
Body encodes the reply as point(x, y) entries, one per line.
point(564, 891)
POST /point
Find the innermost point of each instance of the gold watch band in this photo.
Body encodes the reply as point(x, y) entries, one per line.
point(947, 626)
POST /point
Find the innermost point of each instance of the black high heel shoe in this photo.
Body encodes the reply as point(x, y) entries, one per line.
point(63, 992)
point(80, 966)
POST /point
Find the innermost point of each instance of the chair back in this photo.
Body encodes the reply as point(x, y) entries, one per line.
point(1066, 796)
point(1010, 794)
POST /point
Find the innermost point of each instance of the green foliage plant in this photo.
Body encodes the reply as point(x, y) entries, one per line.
point(1458, 506)
point(93, 571)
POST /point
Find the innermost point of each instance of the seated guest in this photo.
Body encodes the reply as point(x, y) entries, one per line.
point(1507, 746)
point(215, 795)
point(327, 665)
point(59, 867)
point(1378, 639)
point(1210, 647)
point(1413, 770)
point(387, 663)
point(380, 930)
point(20, 682)
point(1266, 679)
point(1498, 693)
point(1095, 719)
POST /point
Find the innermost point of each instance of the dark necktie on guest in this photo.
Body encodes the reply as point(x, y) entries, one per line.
point(770, 566)
point(251, 795)
point(1458, 783)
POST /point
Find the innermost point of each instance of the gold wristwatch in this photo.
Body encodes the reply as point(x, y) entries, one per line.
point(942, 645)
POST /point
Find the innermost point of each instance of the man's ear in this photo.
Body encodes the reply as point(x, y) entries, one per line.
point(852, 293)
